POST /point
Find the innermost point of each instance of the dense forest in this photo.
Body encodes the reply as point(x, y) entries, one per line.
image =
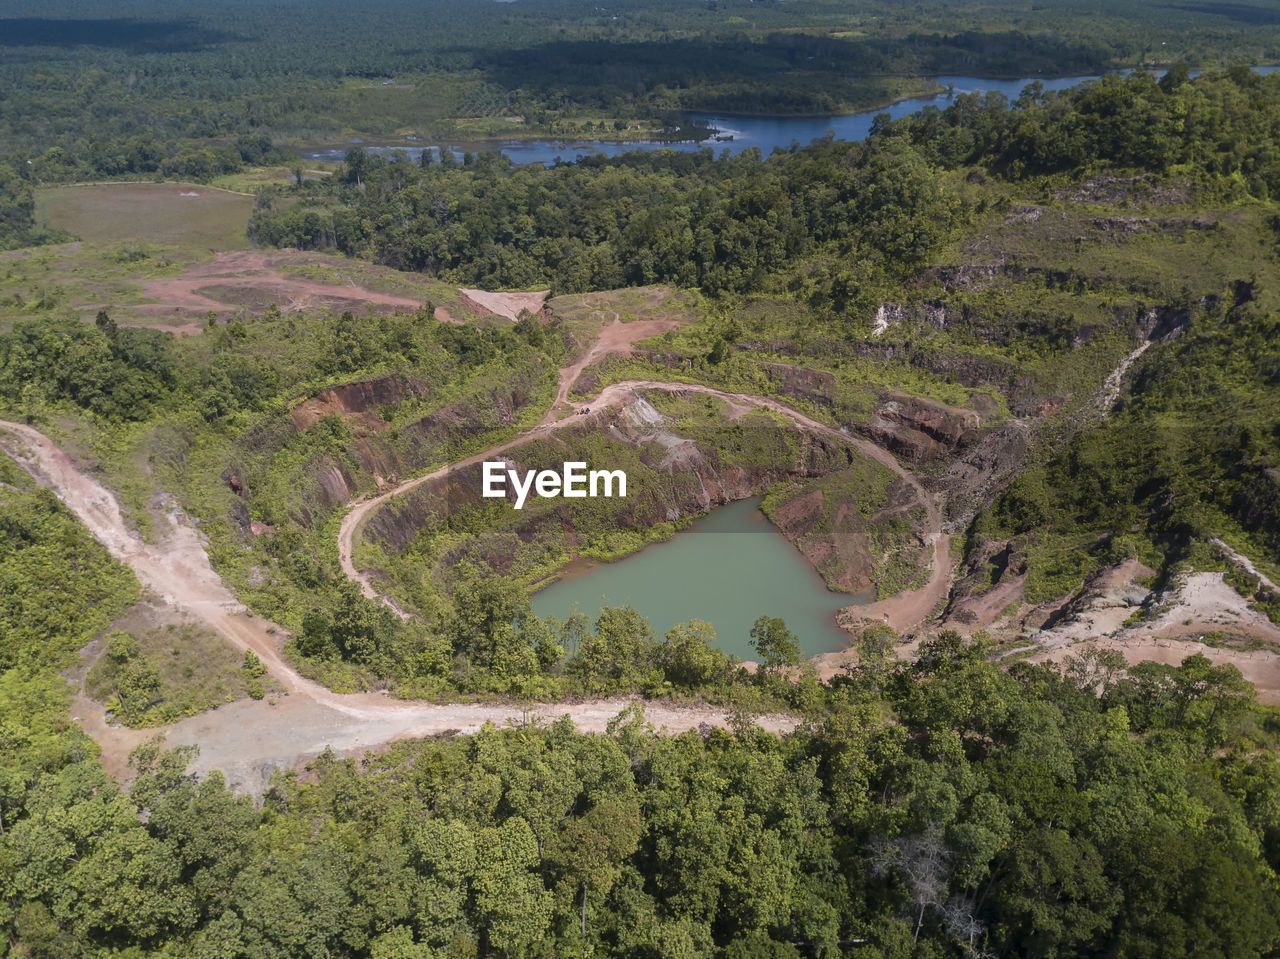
point(175, 90)
point(751, 224)
point(935, 807)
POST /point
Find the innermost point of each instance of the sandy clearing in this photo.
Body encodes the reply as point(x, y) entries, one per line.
point(509, 305)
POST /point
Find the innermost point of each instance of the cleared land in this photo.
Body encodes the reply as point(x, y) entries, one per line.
point(143, 283)
point(180, 214)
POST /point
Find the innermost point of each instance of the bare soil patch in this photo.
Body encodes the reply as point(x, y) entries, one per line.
point(510, 305)
point(254, 280)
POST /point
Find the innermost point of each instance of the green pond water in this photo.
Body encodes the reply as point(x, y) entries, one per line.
point(729, 568)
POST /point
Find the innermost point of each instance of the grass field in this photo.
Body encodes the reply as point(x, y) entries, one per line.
point(152, 212)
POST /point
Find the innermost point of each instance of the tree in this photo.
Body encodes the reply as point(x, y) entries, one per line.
point(513, 907)
point(689, 657)
point(776, 645)
point(616, 653)
point(592, 848)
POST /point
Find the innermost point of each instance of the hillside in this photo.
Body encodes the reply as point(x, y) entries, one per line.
point(1004, 373)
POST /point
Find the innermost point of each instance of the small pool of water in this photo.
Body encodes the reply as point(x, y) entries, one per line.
point(729, 568)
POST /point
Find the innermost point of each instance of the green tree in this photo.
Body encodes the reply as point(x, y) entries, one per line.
point(776, 645)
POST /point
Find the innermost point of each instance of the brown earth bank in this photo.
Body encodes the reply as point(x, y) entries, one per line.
point(510, 305)
point(688, 479)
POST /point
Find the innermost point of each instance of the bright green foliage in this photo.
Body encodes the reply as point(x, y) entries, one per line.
point(42, 546)
point(690, 658)
point(755, 218)
point(166, 674)
point(616, 654)
point(774, 643)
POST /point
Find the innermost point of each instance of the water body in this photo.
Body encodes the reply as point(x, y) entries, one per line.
point(729, 568)
point(764, 133)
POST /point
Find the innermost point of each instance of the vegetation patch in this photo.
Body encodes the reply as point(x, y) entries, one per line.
point(164, 674)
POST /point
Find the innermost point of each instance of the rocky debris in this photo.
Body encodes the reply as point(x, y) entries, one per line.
point(972, 276)
point(234, 483)
point(976, 477)
point(1024, 213)
point(921, 315)
point(1112, 190)
point(1164, 323)
point(992, 578)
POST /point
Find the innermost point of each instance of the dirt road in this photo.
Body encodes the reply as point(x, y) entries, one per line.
point(248, 739)
point(256, 278)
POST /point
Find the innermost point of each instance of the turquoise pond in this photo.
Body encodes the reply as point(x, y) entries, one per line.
point(729, 568)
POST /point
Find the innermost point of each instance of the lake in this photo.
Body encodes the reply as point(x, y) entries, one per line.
point(729, 568)
point(766, 133)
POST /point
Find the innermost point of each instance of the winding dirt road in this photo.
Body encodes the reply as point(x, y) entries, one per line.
point(248, 740)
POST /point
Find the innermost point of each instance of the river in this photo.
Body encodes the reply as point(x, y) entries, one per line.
point(729, 568)
point(764, 133)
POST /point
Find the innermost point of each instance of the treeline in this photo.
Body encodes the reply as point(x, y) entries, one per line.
point(17, 213)
point(724, 225)
point(939, 807)
point(150, 155)
point(825, 222)
point(83, 87)
point(123, 374)
point(1216, 126)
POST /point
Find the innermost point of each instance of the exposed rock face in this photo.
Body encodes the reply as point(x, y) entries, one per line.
point(691, 477)
point(335, 487)
point(812, 385)
point(920, 315)
point(992, 577)
point(358, 402)
point(1107, 599)
point(920, 430)
point(374, 453)
point(976, 477)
